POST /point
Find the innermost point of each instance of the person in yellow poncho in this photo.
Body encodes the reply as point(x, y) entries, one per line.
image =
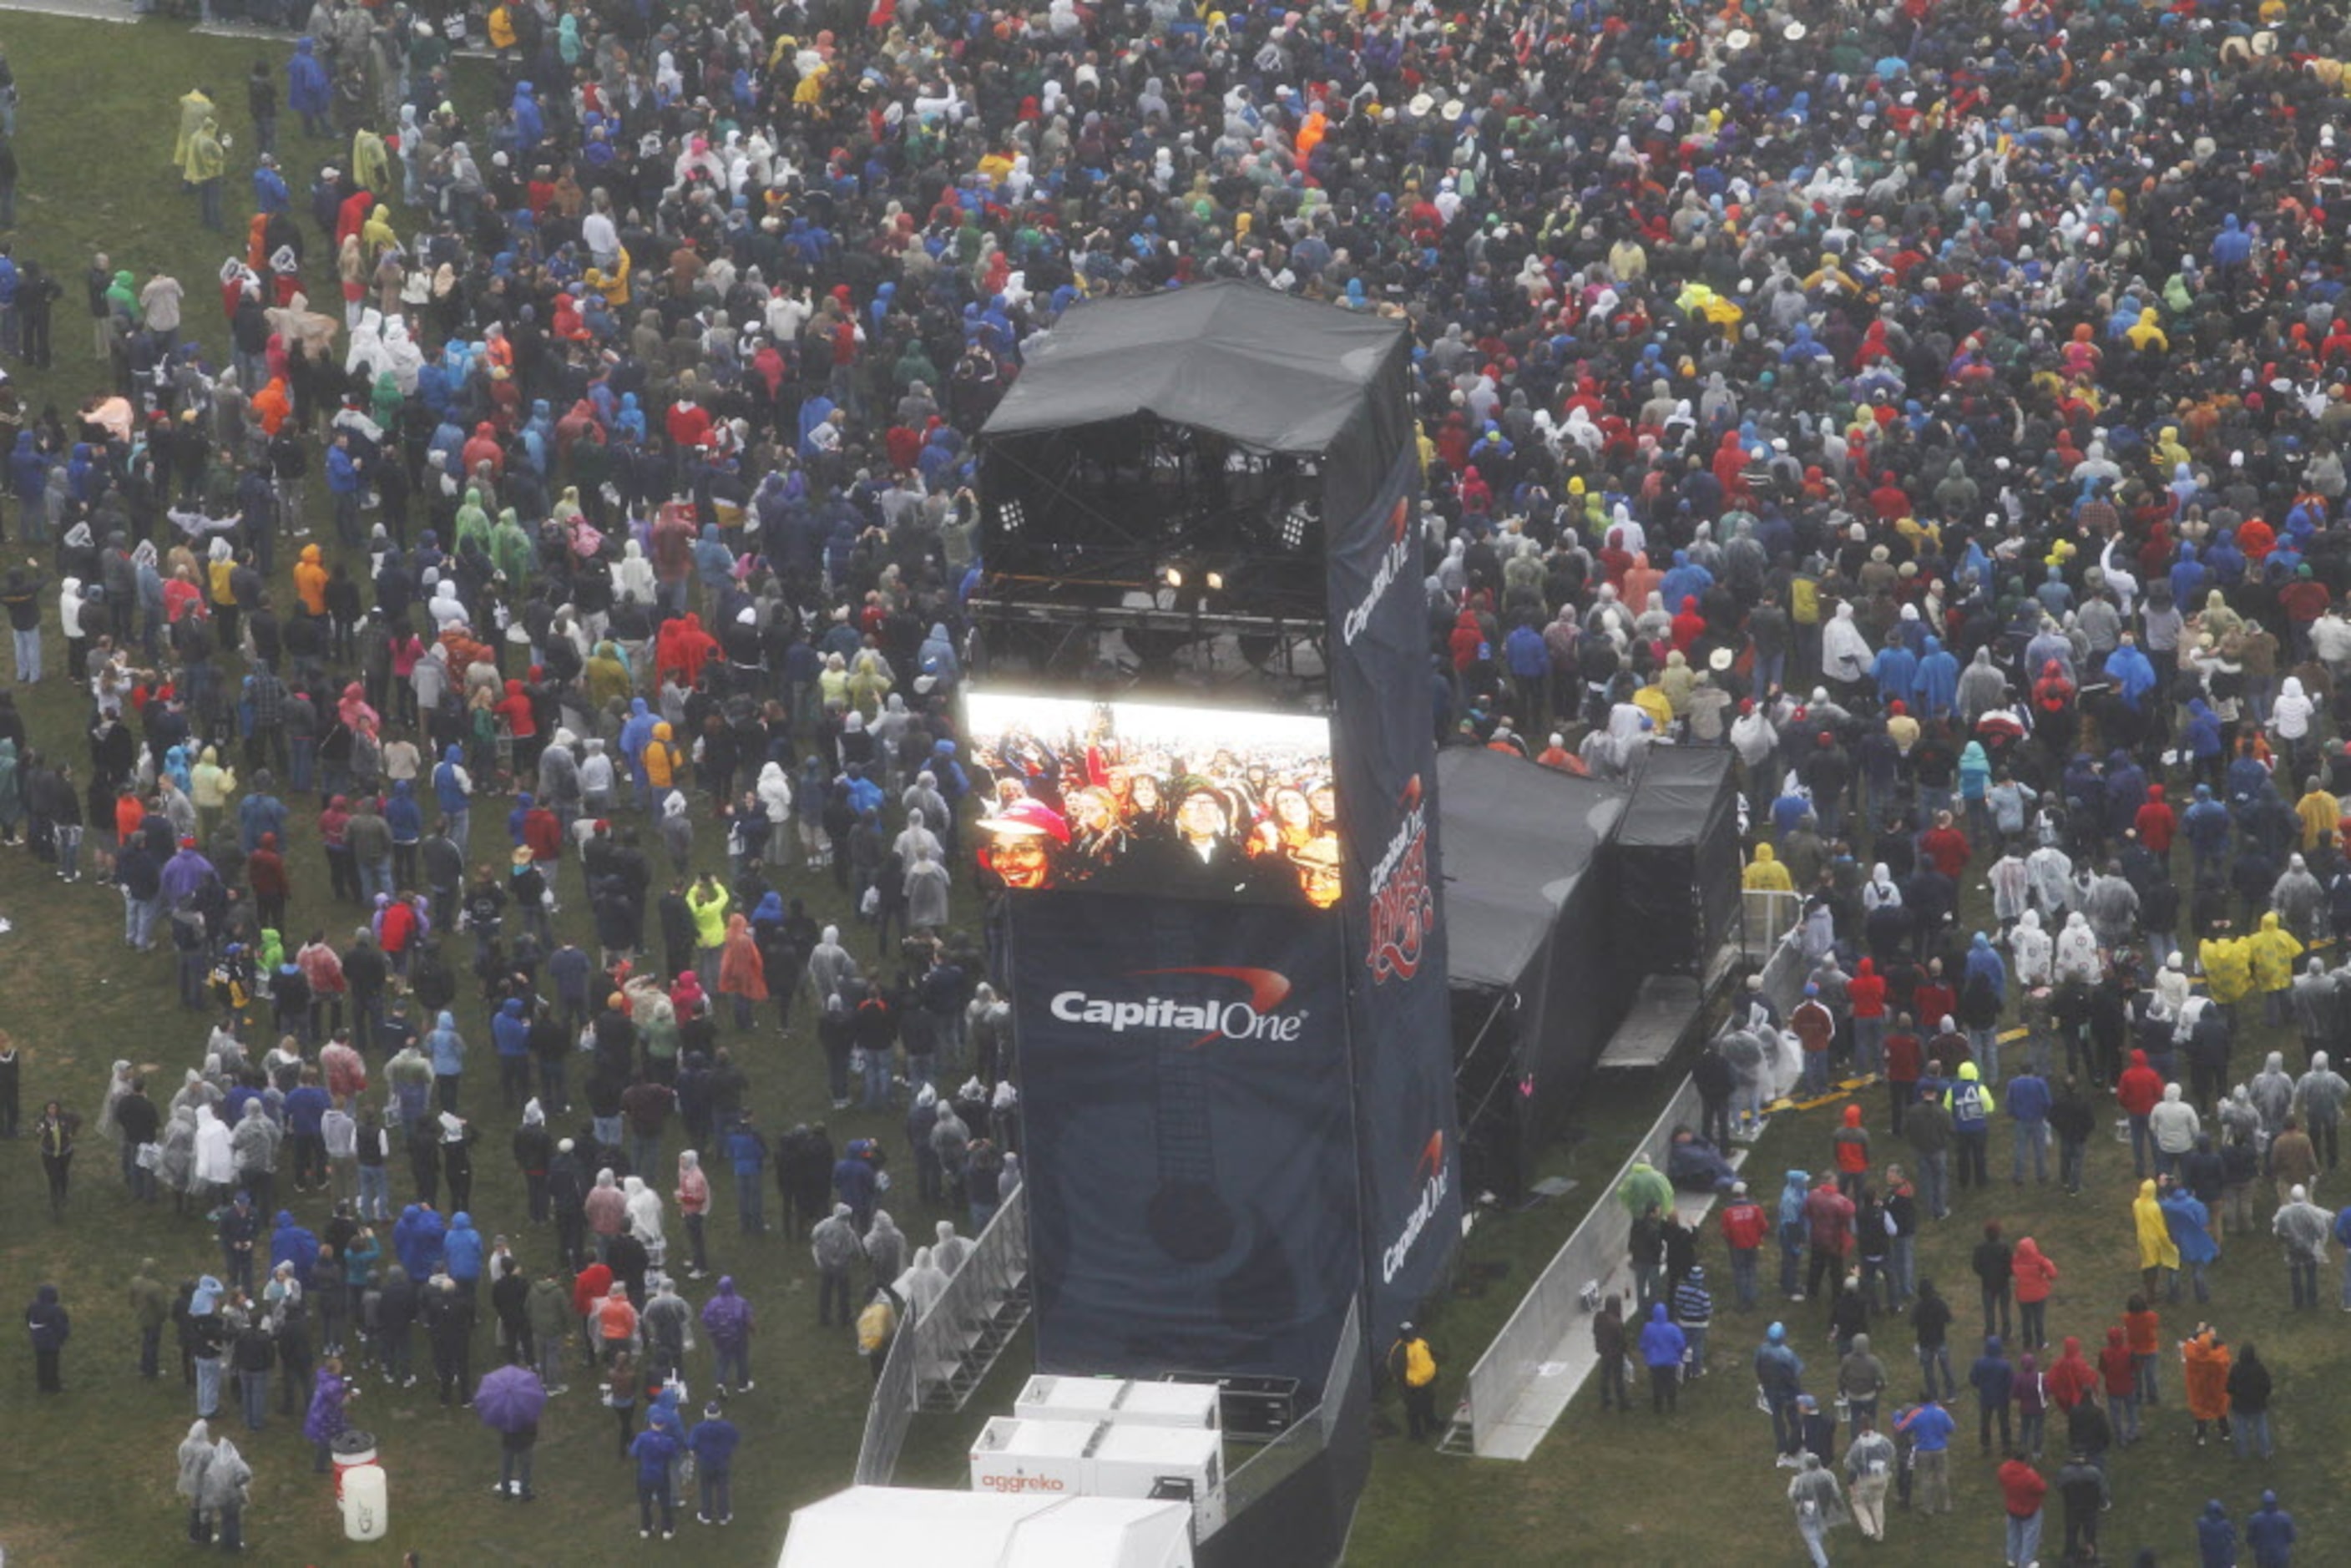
point(1653, 701)
point(2156, 1250)
point(2147, 336)
point(1762, 882)
point(809, 91)
point(2274, 951)
point(2228, 969)
point(195, 108)
point(206, 164)
point(370, 164)
point(501, 28)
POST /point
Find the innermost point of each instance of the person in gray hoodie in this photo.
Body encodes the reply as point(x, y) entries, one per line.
point(836, 1246)
point(1861, 1379)
point(2318, 1096)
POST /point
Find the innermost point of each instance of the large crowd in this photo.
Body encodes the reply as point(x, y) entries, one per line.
point(1939, 406)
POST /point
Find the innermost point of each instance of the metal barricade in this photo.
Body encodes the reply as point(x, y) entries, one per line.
point(1310, 1434)
point(1766, 918)
point(949, 1348)
point(1554, 1305)
point(891, 1411)
point(958, 1340)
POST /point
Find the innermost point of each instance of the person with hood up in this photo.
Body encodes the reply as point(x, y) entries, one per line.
point(2303, 1228)
point(1795, 1190)
point(836, 1248)
point(2159, 1255)
point(2318, 1099)
point(2191, 1235)
point(2035, 1274)
point(2206, 1361)
point(1818, 1505)
point(1779, 1374)
point(222, 1484)
point(2273, 950)
point(49, 1325)
point(2269, 1532)
point(1663, 1346)
point(2174, 1126)
point(728, 1320)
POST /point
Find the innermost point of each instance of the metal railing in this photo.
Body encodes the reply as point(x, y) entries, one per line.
point(891, 1411)
point(936, 1342)
point(969, 1309)
point(1309, 1435)
point(1766, 916)
point(1553, 1306)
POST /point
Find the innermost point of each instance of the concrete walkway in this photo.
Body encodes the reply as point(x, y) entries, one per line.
point(116, 11)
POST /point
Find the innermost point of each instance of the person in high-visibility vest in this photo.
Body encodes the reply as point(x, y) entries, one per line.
point(1414, 1365)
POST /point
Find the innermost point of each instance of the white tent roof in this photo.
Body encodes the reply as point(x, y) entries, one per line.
point(904, 1527)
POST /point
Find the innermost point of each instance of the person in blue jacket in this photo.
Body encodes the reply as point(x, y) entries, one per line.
point(462, 1250)
point(713, 1443)
point(2216, 1533)
point(2269, 1532)
point(1662, 1347)
point(2187, 1217)
point(290, 1243)
point(452, 792)
point(1994, 1381)
point(656, 1449)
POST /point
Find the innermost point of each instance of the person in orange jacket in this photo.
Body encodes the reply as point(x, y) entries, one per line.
point(311, 580)
point(2034, 1273)
point(2205, 1358)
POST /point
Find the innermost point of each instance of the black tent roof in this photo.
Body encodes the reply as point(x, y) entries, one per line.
point(1675, 795)
point(1274, 373)
point(1515, 838)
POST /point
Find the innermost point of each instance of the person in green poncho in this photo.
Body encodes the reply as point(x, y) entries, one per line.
point(385, 400)
point(510, 548)
point(122, 299)
point(1644, 1184)
point(473, 521)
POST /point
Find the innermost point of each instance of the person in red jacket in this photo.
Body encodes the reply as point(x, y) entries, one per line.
point(2120, 1375)
point(1864, 994)
point(1744, 1227)
point(2073, 1379)
point(1904, 1060)
point(1851, 1143)
point(2157, 821)
point(1815, 1030)
point(2021, 1491)
point(1946, 846)
point(2035, 1274)
point(2137, 1090)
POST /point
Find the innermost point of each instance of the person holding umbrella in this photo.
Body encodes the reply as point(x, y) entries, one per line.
point(509, 1401)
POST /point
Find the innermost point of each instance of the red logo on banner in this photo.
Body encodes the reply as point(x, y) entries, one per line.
point(1401, 905)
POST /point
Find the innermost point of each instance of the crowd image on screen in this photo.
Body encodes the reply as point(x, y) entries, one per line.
point(1124, 797)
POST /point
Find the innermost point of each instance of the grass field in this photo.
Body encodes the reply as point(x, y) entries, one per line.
point(87, 1479)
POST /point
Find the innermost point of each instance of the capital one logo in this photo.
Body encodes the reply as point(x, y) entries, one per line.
point(1252, 1016)
point(1435, 1181)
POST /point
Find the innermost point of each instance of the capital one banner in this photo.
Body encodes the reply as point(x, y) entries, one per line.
point(1188, 1146)
point(1384, 752)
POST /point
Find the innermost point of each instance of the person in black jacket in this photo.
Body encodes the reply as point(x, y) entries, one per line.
point(448, 1314)
point(2071, 1118)
point(395, 1315)
point(139, 1121)
point(1993, 1264)
point(50, 1326)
